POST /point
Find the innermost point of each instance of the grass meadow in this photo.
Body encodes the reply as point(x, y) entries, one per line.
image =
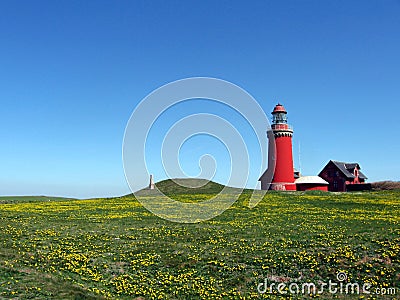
point(55, 248)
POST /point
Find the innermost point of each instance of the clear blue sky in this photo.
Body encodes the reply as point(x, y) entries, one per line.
point(71, 73)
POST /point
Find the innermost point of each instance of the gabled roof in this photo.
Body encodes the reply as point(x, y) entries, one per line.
point(347, 169)
point(351, 166)
point(342, 167)
point(362, 175)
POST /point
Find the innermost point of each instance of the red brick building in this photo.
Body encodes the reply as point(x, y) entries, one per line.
point(343, 177)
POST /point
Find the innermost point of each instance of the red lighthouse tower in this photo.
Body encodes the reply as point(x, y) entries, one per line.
point(280, 172)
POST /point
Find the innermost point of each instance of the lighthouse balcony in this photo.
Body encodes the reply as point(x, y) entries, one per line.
point(281, 127)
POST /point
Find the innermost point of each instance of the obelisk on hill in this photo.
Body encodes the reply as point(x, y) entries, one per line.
point(151, 184)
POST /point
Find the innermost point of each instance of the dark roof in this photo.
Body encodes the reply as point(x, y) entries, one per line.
point(342, 167)
point(348, 168)
point(361, 175)
point(351, 166)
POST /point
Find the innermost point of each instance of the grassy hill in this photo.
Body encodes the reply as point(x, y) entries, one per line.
point(198, 189)
point(115, 249)
point(385, 185)
point(13, 199)
point(189, 186)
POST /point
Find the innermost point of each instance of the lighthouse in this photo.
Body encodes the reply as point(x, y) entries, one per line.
point(280, 172)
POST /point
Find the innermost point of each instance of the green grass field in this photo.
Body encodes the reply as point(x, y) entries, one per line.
point(116, 249)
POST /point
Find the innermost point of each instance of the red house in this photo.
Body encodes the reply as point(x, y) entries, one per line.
point(343, 177)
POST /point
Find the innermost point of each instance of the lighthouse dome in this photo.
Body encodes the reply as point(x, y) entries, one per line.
point(279, 109)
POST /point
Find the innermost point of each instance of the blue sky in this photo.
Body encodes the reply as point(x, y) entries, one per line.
point(72, 72)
